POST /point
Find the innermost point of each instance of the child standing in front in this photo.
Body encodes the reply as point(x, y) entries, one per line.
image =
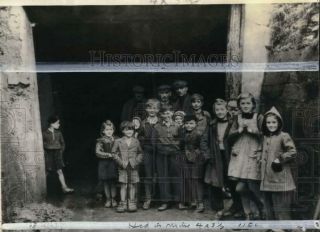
point(54, 145)
point(276, 178)
point(193, 164)
point(127, 153)
point(244, 167)
point(107, 168)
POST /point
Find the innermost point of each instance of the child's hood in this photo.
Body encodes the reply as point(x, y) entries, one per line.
point(274, 111)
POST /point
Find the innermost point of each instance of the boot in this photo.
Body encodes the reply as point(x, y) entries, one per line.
point(132, 206)
point(122, 207)
point(200, 207)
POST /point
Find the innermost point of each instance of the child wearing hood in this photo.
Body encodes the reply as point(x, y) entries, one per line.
point(276, 178)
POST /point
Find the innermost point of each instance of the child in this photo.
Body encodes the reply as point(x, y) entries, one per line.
point(128, 154)
point(233, 108)
point(168, 159)
point(193, 164)
point(215, 147)
point(137, 126)
point(276, 181)
point(54, 145)
point(107, 168)
point(245, 140)
point(203, 117)
point(148, 143)
point(178, 118)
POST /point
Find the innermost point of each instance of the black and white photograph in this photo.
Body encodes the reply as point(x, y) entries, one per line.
point(160, 115)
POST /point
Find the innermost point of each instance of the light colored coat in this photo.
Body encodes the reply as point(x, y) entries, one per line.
point(277, 146)
point(124, 154)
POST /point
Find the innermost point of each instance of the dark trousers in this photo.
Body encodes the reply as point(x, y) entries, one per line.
point(169, 176)
point(149, 171)
point(250, 190)
point(278, 205)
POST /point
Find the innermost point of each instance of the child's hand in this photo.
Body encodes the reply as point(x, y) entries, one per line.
point(240, 130)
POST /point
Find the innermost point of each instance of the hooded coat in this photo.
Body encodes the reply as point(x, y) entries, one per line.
point(277, 145)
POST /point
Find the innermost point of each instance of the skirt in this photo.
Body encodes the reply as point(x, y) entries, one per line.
point(107, 170)
point(53, 159)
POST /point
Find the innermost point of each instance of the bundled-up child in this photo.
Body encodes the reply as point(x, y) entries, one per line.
point(203, 117)
point(147, 138)
point(178, 118)
point(193, 164)
point(107, 167)
point(127, 153)
point(214, 145)
point(54, 146)
point(137, 126)
point(168, 159)
point(276, 178)
point(244, 167)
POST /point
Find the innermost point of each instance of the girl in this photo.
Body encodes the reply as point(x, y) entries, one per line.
point(178, 118)
point(245, 141)
point(54, 145)
point(137, 126)
point(107, 168)
point(214, 145)
point(128, 154)
point(276, 177)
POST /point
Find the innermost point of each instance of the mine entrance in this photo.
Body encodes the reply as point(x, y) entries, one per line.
point(83, 100)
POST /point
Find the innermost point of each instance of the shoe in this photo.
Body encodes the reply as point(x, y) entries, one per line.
point(132, 206)
point(163, 207)
point(193, 204)
point(219, 215)
point(200, 207)
point(182, 206)
point(248, 217)
point(146, 205)
point(122, 207)
point(107, 204)
point(67, 190)
point(114, 203)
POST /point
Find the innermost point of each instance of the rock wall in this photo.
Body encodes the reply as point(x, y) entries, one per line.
point(22, 160)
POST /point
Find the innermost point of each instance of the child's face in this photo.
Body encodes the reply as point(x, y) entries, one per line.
point(178, 120)
point(128, 132)
point(164, 96)
point(220, 111)
point(152, 111)
point(108, 131)
point(136, 123)
point(190, 125)
point(233, 110)
point(167, 115)
point(55, 125)
point(246, 105)
point(182, 91)
point(272, 123)
point(196, 104)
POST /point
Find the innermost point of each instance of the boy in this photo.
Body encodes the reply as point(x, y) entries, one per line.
point(168, 159)
point(165, 95)
point(203, 117)
point(193, 164)
point(128, 154)
point(148, 142)
point(183, 101)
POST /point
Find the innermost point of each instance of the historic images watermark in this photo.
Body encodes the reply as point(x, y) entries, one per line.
point(176, 57)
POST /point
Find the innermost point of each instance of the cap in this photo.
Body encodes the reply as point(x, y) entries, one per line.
point(179, 84)
point(164, 88)
point(190, 117)
point(179, 113)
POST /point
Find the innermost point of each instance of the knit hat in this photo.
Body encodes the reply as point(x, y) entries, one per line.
point(196, 96)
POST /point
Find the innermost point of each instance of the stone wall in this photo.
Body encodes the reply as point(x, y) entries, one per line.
point(22, 160)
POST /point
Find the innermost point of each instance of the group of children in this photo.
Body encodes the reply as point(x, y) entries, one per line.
point(238, 154)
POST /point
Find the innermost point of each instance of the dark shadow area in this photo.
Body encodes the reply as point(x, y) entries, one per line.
point(85, 100)
point(69, 33)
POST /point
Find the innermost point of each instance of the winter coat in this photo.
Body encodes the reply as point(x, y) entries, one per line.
point(53, 141)
point(183, 104)
point(210, 148)
point(203, 120)
point(278, 145)
point(245, 145)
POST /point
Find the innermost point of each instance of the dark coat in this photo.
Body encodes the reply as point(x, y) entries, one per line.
point(183, 104)
point(210, 148)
